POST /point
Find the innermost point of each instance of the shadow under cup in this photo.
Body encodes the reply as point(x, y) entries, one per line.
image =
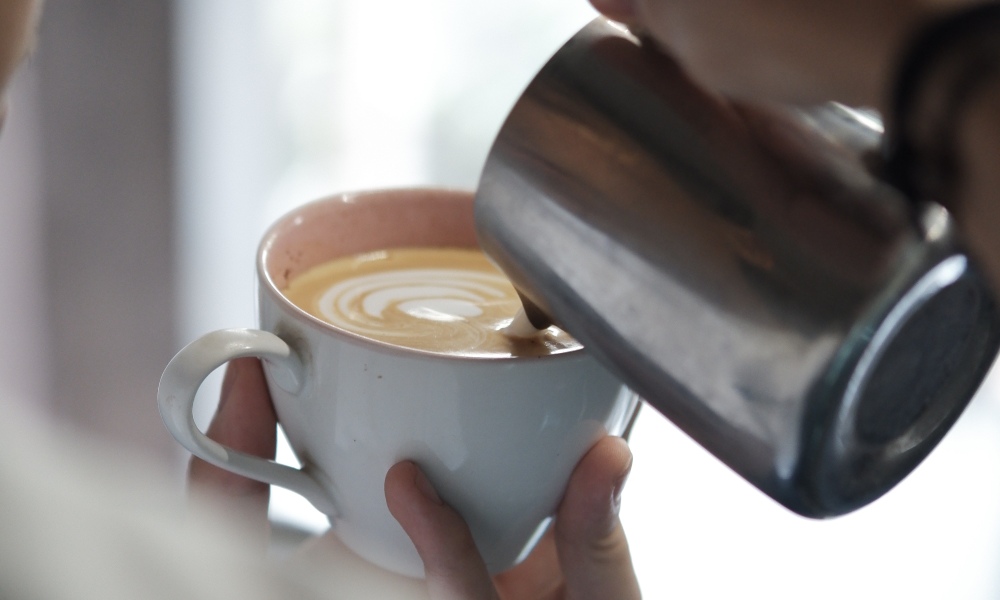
point(498, 437)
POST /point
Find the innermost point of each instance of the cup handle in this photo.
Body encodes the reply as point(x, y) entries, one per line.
point(186, 372)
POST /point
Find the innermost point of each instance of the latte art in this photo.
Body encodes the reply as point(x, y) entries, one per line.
point(449, 300)
point(416, 302)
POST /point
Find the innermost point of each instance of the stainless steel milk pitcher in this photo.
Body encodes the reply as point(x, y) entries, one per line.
point(741, 268)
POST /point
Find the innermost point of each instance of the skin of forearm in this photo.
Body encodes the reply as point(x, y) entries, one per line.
point(792, 51)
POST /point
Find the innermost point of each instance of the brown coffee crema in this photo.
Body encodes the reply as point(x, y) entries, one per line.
point(443, 300)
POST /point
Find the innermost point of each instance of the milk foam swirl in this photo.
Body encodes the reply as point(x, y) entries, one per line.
point(418, 303)
point(446, 300)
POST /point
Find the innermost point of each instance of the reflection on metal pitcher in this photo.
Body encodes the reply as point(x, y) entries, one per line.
point(743, 268)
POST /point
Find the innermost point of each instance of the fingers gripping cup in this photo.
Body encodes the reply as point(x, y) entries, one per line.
point(380, 335)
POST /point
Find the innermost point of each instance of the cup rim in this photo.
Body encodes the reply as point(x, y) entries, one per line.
point(267, 283)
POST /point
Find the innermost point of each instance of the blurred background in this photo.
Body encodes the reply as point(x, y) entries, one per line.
point(149, 144)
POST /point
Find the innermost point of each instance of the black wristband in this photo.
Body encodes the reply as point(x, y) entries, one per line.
point(943, 67)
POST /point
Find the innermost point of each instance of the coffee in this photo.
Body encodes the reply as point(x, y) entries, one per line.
point(481, 426)
point(443, 300)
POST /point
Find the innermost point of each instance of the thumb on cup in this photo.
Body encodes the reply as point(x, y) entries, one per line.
point(453, 567)
point(591, 544)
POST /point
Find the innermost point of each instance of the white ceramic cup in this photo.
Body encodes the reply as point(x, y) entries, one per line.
point(498, 437)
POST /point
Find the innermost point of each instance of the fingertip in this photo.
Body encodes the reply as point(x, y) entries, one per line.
point(400, 486)
point(593, 494)
point(408, 489)
point(598, 480)
point(616, 454)
point(413, 502)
